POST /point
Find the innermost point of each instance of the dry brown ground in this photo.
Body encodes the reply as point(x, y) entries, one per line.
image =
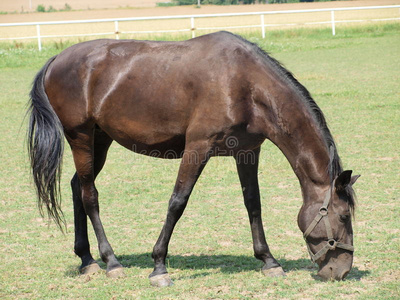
point(24, 5)
point(155, 11)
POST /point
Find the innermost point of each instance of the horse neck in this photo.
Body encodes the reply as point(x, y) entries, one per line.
point(296, 132)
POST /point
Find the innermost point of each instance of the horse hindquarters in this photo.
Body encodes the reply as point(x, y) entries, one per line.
point(69, 94)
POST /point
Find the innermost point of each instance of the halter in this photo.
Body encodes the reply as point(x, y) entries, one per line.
point(331, 243)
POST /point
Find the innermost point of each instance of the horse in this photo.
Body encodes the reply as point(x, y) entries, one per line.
point(213, 95)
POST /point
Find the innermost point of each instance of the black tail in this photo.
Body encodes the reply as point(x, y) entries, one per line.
point(45, 146)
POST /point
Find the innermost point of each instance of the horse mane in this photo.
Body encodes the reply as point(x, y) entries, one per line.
point(335, 166)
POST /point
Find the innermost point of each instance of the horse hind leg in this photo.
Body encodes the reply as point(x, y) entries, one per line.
point(89, 149)
point(82, 246)
point(247, 169)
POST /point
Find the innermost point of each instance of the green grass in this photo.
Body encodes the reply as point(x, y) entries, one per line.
point(354, 77)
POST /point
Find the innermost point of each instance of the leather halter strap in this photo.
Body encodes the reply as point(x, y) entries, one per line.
point(331, 243)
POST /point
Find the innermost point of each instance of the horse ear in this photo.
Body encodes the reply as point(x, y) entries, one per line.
point(343, 180)
point(354, 179)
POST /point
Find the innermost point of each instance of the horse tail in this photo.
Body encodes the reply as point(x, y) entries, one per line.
point(45, 143)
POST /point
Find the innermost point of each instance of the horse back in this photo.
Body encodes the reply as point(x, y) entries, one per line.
point(154, 93)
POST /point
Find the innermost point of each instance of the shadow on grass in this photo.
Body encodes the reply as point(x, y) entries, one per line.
point(225, 263)
point(354, 275)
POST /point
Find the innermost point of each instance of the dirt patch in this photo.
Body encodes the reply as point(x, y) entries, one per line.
point(112, 11)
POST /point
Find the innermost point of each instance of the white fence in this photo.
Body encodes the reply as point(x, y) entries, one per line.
point(192, 18)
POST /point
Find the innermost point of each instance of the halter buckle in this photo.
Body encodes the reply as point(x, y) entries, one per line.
point(323, 211)
point(332, 244)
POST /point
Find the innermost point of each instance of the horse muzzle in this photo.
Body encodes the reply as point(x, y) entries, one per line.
point(337, 269)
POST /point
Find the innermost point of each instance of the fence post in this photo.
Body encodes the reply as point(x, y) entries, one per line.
point(262, 26)
point(38, 37)
point(333, 22)
point(116, 30)
point(192, 27)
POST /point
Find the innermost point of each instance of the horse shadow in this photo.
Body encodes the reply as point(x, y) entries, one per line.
point(228, 264)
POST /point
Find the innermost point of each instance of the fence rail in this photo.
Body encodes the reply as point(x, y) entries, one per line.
point(192, 18)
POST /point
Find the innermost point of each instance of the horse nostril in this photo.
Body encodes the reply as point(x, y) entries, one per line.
point(331, 277)
point(344, 274)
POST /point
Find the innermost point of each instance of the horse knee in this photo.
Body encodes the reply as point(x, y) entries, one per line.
point(253, 207)
point(254, 214)
point(177, 203)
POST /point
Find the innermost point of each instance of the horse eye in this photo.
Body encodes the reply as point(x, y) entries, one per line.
point(344, 218)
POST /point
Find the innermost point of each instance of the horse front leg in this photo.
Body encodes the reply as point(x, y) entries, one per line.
point(193, 162)
point(247, 169)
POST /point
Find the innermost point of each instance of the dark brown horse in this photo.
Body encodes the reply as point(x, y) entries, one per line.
point(217, 94)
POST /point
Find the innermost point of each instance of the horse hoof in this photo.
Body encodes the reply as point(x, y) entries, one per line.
point(116, 273)
point(161, 280)
point(274, 272)
point(90, 269)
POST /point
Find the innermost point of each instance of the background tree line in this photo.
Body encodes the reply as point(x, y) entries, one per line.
point(234, 2)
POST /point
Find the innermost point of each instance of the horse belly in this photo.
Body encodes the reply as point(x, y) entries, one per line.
point(169, 148)
point(146, 126)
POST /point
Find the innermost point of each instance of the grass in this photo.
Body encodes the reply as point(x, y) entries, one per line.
point(353, 77)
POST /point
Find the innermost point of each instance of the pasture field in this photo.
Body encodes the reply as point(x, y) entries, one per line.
point(354, 77)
